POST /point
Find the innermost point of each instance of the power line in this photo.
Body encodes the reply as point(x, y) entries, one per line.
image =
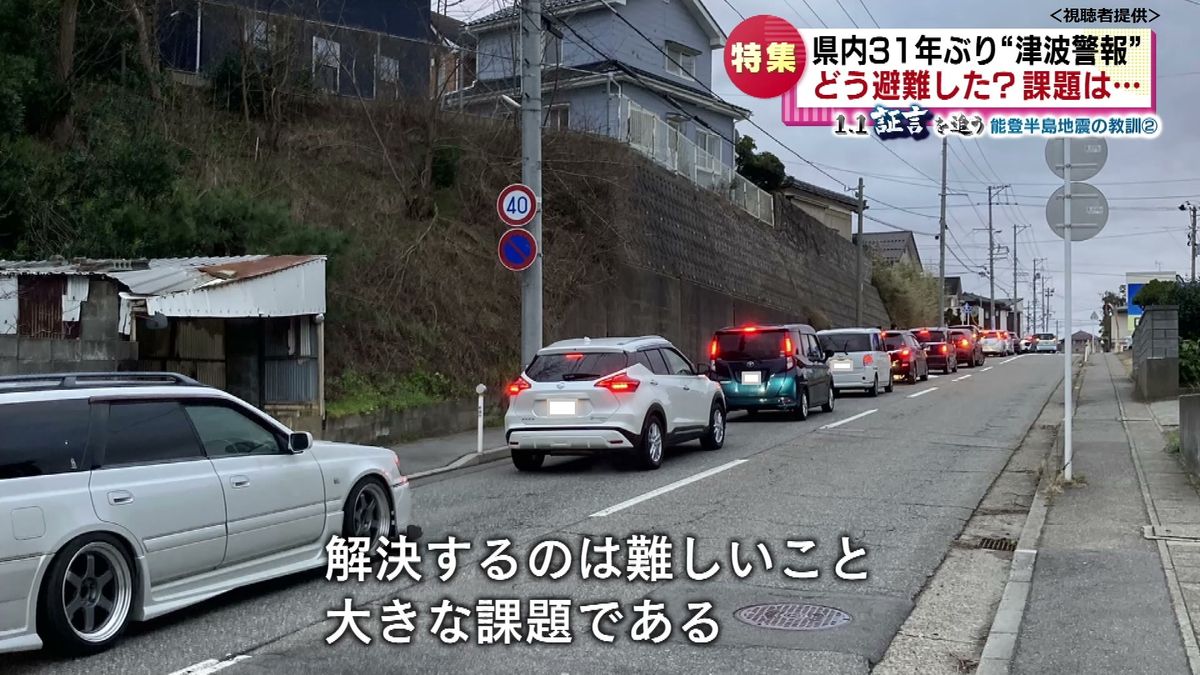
point(819, 19)
point(869, 14)
point(852, 21)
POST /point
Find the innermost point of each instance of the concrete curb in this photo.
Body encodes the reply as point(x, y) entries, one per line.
point(470, 459)
point(1001, 643)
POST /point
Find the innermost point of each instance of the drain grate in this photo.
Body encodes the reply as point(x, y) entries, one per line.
point(792, 616)
point(997, 544)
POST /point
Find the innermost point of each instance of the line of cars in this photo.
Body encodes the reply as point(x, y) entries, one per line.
point(636, 396)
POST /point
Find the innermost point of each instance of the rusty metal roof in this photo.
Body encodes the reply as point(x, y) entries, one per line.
point(161, 276)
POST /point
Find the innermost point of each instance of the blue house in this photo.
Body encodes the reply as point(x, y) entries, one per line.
point(365, 48)
point(638, 70)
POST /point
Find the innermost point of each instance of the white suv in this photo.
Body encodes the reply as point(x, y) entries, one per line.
point(125, 496)
point(634, 395)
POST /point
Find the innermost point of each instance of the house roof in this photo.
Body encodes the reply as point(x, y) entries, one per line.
point(890, 246)
point(818, 191)
point(583, 75)
point(451, 29)
point(557, 8)
point(1082, 335)
point(204, 286)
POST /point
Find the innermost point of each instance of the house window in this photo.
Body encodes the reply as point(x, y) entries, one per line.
point(552, 50)
point(259, 33)
point(681, 60)
point(388, 69)
point(710, 143)
point(675, 122)
point(327, 57)
point(559, 117)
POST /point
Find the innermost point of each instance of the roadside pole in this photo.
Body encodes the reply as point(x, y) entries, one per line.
point(941, 318)
point(991, 263)
point(531, 171)
point(480, 389)
point(1068, 412)
point(858, 260)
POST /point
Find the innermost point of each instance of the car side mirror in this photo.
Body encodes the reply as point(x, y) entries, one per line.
point(299, 441)
point(829, 354)
point(816, 355)
point(702, 369)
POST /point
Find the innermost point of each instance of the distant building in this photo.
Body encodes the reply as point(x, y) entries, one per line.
point(373, 49)
point(1081, 339)
point(892, 247)
point(954, 290)
point(1009, 312)
point(832, 209)
point(251, 325)
point(1133, 283)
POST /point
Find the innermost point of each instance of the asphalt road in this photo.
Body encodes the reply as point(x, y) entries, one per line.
point(898, 474)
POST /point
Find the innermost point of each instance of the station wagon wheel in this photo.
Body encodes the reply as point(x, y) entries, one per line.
point(88, 596)
point(368, 512)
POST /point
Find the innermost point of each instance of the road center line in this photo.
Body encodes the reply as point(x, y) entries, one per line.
point(960, 379)
point(850, 419)
point(924, 391)
point(1012, 359)
point(666, 488)
point(987, 369)
point(210, 666)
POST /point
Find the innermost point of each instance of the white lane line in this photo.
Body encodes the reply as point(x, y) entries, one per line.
point(987, 369)
point(666, 488)
point(1012, 359)
point(960, 379)
point(850, 419)
point(922, 392)
point(210, 666)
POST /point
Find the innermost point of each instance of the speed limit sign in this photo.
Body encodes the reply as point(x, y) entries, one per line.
point(516, 205)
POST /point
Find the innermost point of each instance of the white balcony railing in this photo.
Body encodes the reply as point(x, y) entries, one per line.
point(654, 137)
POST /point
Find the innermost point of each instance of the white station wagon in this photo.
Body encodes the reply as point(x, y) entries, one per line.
point(125, 496)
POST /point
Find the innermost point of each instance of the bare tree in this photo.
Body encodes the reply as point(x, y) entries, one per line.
point(146, 52)
point(64, 64)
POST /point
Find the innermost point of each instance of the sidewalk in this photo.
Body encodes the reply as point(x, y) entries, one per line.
point(1104, 597)
point(427, 455)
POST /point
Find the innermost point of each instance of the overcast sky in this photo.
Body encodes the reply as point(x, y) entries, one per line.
point(1145, 180)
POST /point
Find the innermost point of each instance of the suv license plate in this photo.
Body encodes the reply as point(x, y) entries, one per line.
point(752, 377)
point(562, 407)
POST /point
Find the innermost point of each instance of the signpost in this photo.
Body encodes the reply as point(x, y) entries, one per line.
point(1075, 212)
point(517, 249)
point(516, 205)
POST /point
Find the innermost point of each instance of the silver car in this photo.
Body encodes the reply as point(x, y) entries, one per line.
point(857, 359)
point(125, 496)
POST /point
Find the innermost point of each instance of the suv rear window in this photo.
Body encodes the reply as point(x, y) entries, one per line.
point(929, 336)
point(571, 367)
point(894, 341)
point(43, 438)
point(845, 342)
point(750, 346)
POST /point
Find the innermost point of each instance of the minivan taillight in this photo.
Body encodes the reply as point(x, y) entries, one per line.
point(965, 344)
point(619, 383)
point(519, 385)
point(713, 349)
point(868, 359)
point(944, 350)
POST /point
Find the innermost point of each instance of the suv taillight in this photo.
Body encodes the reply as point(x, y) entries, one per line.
point(944, 350)
point(519, 385)
point(618, 383)
point(965, 343)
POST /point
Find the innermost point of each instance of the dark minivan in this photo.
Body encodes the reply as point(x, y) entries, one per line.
point(771, 367)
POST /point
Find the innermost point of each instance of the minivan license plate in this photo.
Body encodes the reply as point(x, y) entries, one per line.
point(562, 407)
point(751, 377)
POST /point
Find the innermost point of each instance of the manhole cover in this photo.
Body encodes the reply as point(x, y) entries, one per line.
point(792, 616)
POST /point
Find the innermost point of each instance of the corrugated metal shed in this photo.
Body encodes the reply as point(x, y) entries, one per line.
point(224, 286)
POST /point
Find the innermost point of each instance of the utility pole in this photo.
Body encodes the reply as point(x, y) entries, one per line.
point(941, 318)
point(1188, 206)
point(1033, 321)
point(858, 260)
point(531, 171)
point(1016, 317)
point(992, 255)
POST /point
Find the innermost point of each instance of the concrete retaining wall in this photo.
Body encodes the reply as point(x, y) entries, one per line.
point(390, 427)
point(1189, 431)
point(1156, 354)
